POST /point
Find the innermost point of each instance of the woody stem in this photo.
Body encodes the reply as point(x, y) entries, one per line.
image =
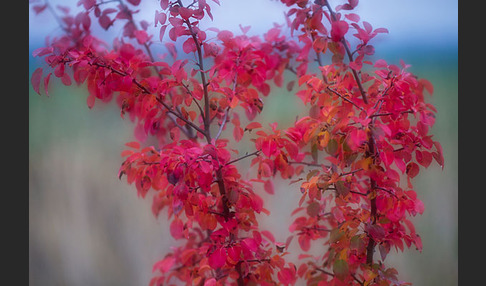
point(371, 147)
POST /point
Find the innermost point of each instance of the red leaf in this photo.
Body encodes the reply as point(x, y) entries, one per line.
point(160, 18)
point(90, 101)
point(211, 282)
point(376, 232)
point(36, 79)
point(142, 36)
point(42, 51)
point(66, 79)
point(412, 169)
point(59, 70)
point(234, 253)
point(164, 4)
point(88, 4)
point(424, 158)
point(39, 8)
point(245, 29)
point(381, 30)
point(189, 46)
point(338, 30)
point(268, 235)
point(353, 17)
point(46, 83)
point(286, 276)
point(268, 186)
point(105, 21)
point(176, 228)
point(238, 133)
point(217, 259)
point(134, 2)
point(225, 35)
point(428, 85)
point(304, 242)
point(133, 144)
point(253, 125)
point(320, 45)
point(250, 244)
point(438, 156)
point(171, 48)
point(419, 206)
point(185, 12)
point(164, 265)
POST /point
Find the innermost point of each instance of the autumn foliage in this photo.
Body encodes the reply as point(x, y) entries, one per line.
point(352, 157)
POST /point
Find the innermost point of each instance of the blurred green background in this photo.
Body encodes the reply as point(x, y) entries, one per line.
point(86, 227)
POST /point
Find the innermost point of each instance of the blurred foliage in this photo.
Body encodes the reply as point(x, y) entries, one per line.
point(86, 227)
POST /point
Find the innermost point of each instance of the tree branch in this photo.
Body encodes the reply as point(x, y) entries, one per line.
point(256, 153)
point(344, 98)
point(350, 57)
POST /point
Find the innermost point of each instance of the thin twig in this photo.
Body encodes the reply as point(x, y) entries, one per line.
point(225, 118)
point(146, 91)
point(344, 98)
point(389, 113)
point(256, 153)
point(308, 164)
point(351, 172)
point(350, 57)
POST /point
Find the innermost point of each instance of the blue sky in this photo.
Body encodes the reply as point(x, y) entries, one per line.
point(414, 23)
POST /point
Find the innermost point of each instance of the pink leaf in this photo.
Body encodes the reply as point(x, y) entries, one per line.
point(133, 144)
point(42, 51)
point(134, 2)
point(381, 30)
point(176, 228)
point(164, 265)
point(245, 29)
point(46, 83)
point(217, 259)
point(412, 169)
point(142, 36)
point(250, 244)
point(104, 21)
point(189, 46)
point(338, 30)
point(286, 276)
point(39, 8)
point(380, 64)
point(36, 79)
point(253, 125)
point(66, 79)
point(353, 17)
point(211, 282)
point(376, 232)
point(269, 235)
point(88, 4)
point(304, 242)
point(90, 101)
point(185, 12)
point(160, 18)
point(268, 186)
point(164, 4)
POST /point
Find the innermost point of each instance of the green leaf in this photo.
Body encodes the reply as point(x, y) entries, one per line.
point(341, 188)
point(332, 147)
point(340, 269)
point(314, 152)
point(313, 209)
point(311, 174)
point(335, 235)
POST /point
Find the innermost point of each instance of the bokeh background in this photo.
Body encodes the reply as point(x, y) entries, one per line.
point(86, 227)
